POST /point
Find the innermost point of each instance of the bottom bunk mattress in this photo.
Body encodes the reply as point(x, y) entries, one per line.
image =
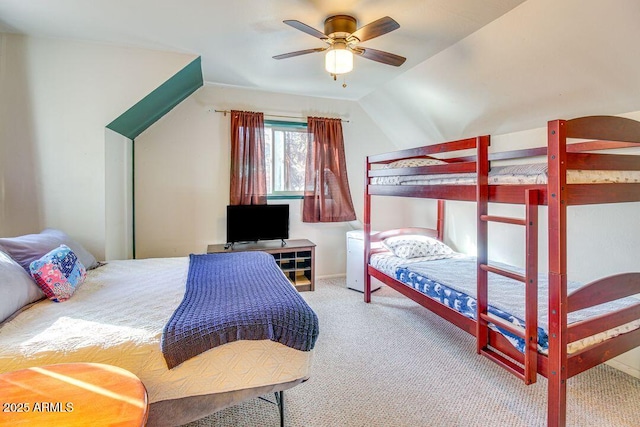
point(452, 282)
point(117, 317)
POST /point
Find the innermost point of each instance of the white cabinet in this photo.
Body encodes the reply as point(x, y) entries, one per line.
point(355, 262)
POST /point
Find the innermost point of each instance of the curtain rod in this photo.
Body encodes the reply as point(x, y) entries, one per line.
point(225, 112)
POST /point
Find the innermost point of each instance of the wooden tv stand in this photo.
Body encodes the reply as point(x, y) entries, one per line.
point(296, 258)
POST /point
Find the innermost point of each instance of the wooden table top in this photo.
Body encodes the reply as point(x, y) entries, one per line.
point(72, 394)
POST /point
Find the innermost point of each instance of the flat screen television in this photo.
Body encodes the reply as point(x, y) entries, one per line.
point(250, 223)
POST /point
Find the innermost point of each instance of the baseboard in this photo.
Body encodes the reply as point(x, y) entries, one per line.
point(330, 276)
point(624, 368)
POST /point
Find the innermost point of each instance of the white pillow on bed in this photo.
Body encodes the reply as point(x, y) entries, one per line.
point(17, 289)
point(416, 246)
point(30, 247)
point(404, 163)
point(415, 162)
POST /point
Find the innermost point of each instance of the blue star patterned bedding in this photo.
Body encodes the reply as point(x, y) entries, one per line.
point(452, 282)
point(237, 296)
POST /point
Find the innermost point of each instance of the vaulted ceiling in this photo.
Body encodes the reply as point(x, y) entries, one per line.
point(238, 38)
point(544, 60)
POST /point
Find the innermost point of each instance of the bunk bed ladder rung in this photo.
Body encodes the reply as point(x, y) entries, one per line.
point(507, 364)
point(503, 219)
point(501, 323)
point(503, 272)
point(526, 369)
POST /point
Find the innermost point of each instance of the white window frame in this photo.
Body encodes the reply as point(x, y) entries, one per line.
point(270, 126)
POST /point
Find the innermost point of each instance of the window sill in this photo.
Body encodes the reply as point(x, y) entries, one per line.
point(284, 197)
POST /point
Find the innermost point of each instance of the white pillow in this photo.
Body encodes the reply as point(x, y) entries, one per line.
point(416, 246)
point(17, 289)
point(414, 162)
point(30, 247)
point(404, 163)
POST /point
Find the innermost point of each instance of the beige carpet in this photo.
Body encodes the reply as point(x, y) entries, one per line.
point(393, 363)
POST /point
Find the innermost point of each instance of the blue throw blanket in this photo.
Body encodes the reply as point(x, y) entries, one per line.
point(236, 296)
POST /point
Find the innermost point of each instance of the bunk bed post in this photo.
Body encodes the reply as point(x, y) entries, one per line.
point(531, 288)
point(440, 220)
point(557, 212)
point(482, 197)
point(367, 233)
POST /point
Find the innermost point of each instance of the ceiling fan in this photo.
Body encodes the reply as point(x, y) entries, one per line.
point(343, 40)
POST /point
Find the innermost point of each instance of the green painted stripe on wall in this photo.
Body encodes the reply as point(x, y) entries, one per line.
point(152, 107)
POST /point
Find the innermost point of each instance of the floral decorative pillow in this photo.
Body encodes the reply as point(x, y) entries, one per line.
point(415, 246)
point(58, 273)
point(415, 162)
point(404, 163)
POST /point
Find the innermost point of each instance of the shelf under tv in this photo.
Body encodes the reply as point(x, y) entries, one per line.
point(296, 258)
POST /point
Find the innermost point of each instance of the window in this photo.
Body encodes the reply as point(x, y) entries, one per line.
point(285, 158)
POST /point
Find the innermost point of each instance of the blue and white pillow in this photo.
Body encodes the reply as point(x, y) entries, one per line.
point(58, 273)
point(416, 246)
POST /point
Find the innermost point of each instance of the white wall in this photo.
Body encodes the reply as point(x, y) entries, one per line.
point(19, 211)
point(57, 98)
point(182, 172)
point(118, 196)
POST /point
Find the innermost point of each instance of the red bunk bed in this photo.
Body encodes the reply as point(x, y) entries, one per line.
point(564, 160)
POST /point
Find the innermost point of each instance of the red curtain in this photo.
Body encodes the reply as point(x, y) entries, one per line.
point(326, 195)
point(248, 172)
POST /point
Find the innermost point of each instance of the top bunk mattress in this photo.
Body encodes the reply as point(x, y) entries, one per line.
point(452, 282)
point(525, 174)
point(117, 317)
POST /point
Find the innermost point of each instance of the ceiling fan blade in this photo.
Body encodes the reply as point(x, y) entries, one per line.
point(299, 52)
point(375, 29)
point(380, 56)
point(306, 29)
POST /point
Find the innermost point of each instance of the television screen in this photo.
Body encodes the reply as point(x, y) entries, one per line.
point(250, 223)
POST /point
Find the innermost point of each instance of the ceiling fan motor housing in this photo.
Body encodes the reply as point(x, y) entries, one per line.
point(339, 26)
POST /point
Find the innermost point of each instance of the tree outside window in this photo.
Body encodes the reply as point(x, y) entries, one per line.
point(285, 157)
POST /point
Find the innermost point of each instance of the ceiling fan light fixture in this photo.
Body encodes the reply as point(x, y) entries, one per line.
point(343, 39)
point(338, 60)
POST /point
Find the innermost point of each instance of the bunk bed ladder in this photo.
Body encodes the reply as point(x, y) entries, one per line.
point(528, 369)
